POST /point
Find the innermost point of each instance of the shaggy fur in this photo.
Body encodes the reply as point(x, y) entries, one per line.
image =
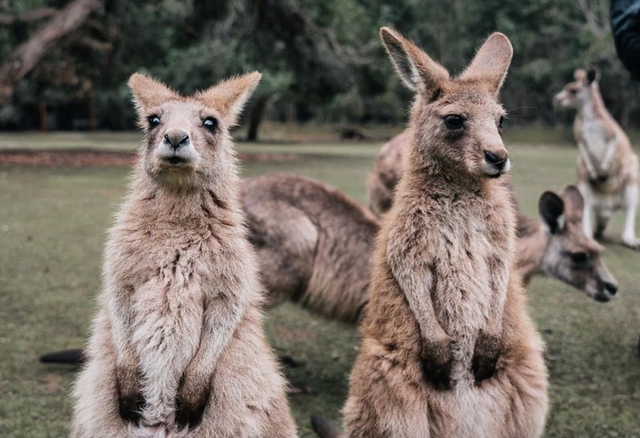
point(543, 246)
point(608, 174)
point(447, 348)
point(314, 243)
point(177, 348)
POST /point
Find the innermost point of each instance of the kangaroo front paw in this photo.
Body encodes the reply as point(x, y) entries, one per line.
point(130, 399)
point(437, 359)
point(485, 357)
point(191, 402)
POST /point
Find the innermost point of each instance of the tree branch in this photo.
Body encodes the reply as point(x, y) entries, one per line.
point(28, 54)
point(35, 15)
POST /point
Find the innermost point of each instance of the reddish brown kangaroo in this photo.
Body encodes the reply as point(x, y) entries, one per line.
point(447, 347)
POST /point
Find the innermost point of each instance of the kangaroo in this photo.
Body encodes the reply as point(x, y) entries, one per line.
point(177, 348)
point(315, 245)
point(447, 347)
point(553, 246)
point(608, 175)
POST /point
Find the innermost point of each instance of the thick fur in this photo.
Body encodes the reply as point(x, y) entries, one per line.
point(608, 175)
point(447, 347)
point(314, 243)
point(177, 348)
point(541, 248)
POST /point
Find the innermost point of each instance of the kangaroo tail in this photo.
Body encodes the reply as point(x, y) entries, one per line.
point(323, 429)
point(72, 356)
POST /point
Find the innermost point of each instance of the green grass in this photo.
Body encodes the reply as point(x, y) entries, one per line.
point(52, 230)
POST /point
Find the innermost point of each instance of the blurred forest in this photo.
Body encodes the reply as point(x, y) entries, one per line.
point(322, 60)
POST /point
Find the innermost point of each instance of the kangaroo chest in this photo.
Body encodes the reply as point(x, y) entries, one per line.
point(167, 286)
point(594, 137)
point(471, 256)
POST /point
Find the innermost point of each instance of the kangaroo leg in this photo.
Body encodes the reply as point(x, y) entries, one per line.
point(587, 194)
point(631, 206)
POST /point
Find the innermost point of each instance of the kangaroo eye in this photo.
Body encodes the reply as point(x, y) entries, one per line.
point(454, 121)
point(153, 121)
point(500, 122)
point(573, 91)
point(579, 258)
point(210, 123)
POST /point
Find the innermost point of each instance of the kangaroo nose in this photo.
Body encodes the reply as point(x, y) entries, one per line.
point(499, 161)
point(176, 138)
point(611, 288)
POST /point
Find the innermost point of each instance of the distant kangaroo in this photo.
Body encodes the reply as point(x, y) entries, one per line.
point(447, 347)
point(177, 348)
point(608, 174)
point(315, 244)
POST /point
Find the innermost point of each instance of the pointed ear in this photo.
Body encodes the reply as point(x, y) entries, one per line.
point(580, 75)
point(551, 209)
point(416, 69)
point(148, 93)
point(492, 61)
point(229, 96)
point(573, 202)
point(592, 75)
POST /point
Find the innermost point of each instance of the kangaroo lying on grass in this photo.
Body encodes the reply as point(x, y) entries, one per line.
point(608, 174)
point(447, 347)
point(177, 348)
point(314, 245)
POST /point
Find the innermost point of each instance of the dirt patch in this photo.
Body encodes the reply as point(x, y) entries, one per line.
point(92, 158)
point(292, 334)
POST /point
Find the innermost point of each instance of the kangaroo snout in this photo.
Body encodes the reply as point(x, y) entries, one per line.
point(176, 138)
point(497, 162)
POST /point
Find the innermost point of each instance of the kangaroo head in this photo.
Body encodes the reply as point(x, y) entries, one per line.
point(570, 255)
point(458, 121)
point(575, 94)
point(187, 142)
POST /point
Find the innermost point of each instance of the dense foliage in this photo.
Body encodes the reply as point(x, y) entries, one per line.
point(321, 60)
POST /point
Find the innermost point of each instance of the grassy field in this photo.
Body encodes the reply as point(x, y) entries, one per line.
point(52, 229)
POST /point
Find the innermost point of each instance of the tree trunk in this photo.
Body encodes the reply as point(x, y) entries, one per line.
point(255, 117)
point(26, 56)
point(43, 116)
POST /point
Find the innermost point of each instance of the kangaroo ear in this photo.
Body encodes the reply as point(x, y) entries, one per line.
point(149, 93)
point(580, 75)
point(592, 75)
point(416, 69)
point(491, 62)
point(573, 202)
point(229, 96)
point(551, 209)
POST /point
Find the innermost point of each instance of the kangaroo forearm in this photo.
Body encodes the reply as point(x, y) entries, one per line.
point(587, 159)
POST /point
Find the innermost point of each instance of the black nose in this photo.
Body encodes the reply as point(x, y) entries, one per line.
point(611, 288)
point(176, 139)
point(495, 159)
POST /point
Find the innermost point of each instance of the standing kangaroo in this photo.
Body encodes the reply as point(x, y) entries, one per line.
point(315, 245)
point(447, 347)
point(608, 174)
point(177, 348)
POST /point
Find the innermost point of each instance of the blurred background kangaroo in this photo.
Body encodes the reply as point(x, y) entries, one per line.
point(608, 175)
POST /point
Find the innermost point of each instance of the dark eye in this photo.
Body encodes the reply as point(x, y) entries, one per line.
point(500, 122)
point(454, 121)
point(210, 123)
point(153, 121)
point(579, 258)
point(573, 91)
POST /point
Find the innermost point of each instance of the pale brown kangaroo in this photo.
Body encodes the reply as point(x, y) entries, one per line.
point(177, 348)
point(553, 246)
point(608, 174)
point(447, 347)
